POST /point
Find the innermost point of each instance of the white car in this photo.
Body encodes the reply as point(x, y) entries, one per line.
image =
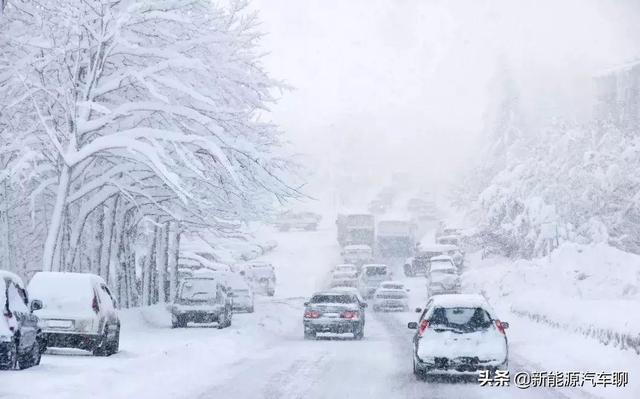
point(344, 279)
point(458, 334)
point(442, 277)
point(78, 311)
point(346, 267)
point(371, 277)
point(241, 293)
point(390, 299)
point(357, 254)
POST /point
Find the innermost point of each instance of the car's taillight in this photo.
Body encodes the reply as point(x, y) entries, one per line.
point(311, 314)
point(349, 315)
point(424, 324)
point(500, 327)
point(94, 304)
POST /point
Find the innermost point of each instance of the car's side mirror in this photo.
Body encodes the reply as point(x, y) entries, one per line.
point(505, 325)
point(418, 310)
point(36, 304)
point(364, 304)
point(306, 304)
point(412, 325)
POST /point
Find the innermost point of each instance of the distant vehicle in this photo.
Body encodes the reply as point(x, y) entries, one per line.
point(357, 254)
point(377, 207)
point(417, 265)
point(458, 334)
point(297, 220)
point(78, 311)
point(360, 230)
point(443, 230)
point(344, 279)
point(389, 297)
point(393, 285)
point(395, 238)
point(443, 276)
point(346, 267)
point(21, 340)
point(201, 300)
point(371, 277)
point(242, 294)
point(262, 277)
point(334, 312)
point(448, 240)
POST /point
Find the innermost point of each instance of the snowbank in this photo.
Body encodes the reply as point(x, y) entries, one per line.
point(593, 290)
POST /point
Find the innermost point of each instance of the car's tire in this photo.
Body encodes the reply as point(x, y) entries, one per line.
point(101, 347)
point(418, 372)
point(13, 358)
point(224, 320)
point(250, 310)
point(310, 335)
point(31, 358)
point(359, 334)
point(114, 346)
point(271, 292)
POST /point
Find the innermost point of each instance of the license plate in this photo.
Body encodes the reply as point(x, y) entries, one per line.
point(60, 323)
point(331, 315)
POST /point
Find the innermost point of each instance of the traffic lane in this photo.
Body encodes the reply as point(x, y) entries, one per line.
point(466, 387)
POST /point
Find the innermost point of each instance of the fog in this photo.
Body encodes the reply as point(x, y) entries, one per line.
point(406, 85)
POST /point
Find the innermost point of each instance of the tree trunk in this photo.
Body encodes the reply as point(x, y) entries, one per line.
point(173, 251)
point(53, 233)
point(98, 240)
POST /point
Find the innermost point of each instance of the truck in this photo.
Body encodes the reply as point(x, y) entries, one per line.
point(395, 238)
point(359, 229)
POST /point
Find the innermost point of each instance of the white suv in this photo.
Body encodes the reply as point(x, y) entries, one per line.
point(78, 311)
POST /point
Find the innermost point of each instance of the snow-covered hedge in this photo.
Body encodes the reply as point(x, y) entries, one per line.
point(593, 290)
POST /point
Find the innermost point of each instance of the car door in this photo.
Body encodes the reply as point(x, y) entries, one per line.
point(27, 321)
point(108, 303)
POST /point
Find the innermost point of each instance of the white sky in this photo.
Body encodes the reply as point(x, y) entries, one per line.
point(405, 82)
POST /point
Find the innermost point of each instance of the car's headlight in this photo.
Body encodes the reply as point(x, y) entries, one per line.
point(84, 325)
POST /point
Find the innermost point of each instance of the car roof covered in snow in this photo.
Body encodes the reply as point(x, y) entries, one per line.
point(357, 247)
point(346, 265)
point(460, 301)
point(7, 275)
point(437, 248)
point(449, 237)
point(441, 258)
point(392, 282)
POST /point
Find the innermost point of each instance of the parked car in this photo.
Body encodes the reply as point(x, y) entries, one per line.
point(201, 300)
point(78, 311)
point(458, 334)
point(333, 312)
point(391, 296)
point(262, 277)
point(344, 279)
point(357, 254)
point(242, 294)
point(21, 341)
point(372, 275)
point(443, 276)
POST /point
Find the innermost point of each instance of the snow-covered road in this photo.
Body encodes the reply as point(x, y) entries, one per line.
point(264, 355)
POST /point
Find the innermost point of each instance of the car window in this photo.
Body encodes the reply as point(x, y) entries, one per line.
point(461, 318)
point(376, 271)
point(333, 299)
point(106, 301)
point(199, 290)
point(17, 299)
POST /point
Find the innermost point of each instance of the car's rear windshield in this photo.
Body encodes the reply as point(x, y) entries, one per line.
point(333, 299)
point(442, 266)
point(393, 286)
point(198, 289)
point(460, 319)
point(376, 271)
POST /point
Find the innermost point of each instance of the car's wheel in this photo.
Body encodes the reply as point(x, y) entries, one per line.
point(101, 346)
point(250, 310)
point(12, 358)
point(417, 371)
point(359, 334)
point(271, 292)
point(309, 334)
point(224, 320)
point(114, 346)
point(30, 358)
